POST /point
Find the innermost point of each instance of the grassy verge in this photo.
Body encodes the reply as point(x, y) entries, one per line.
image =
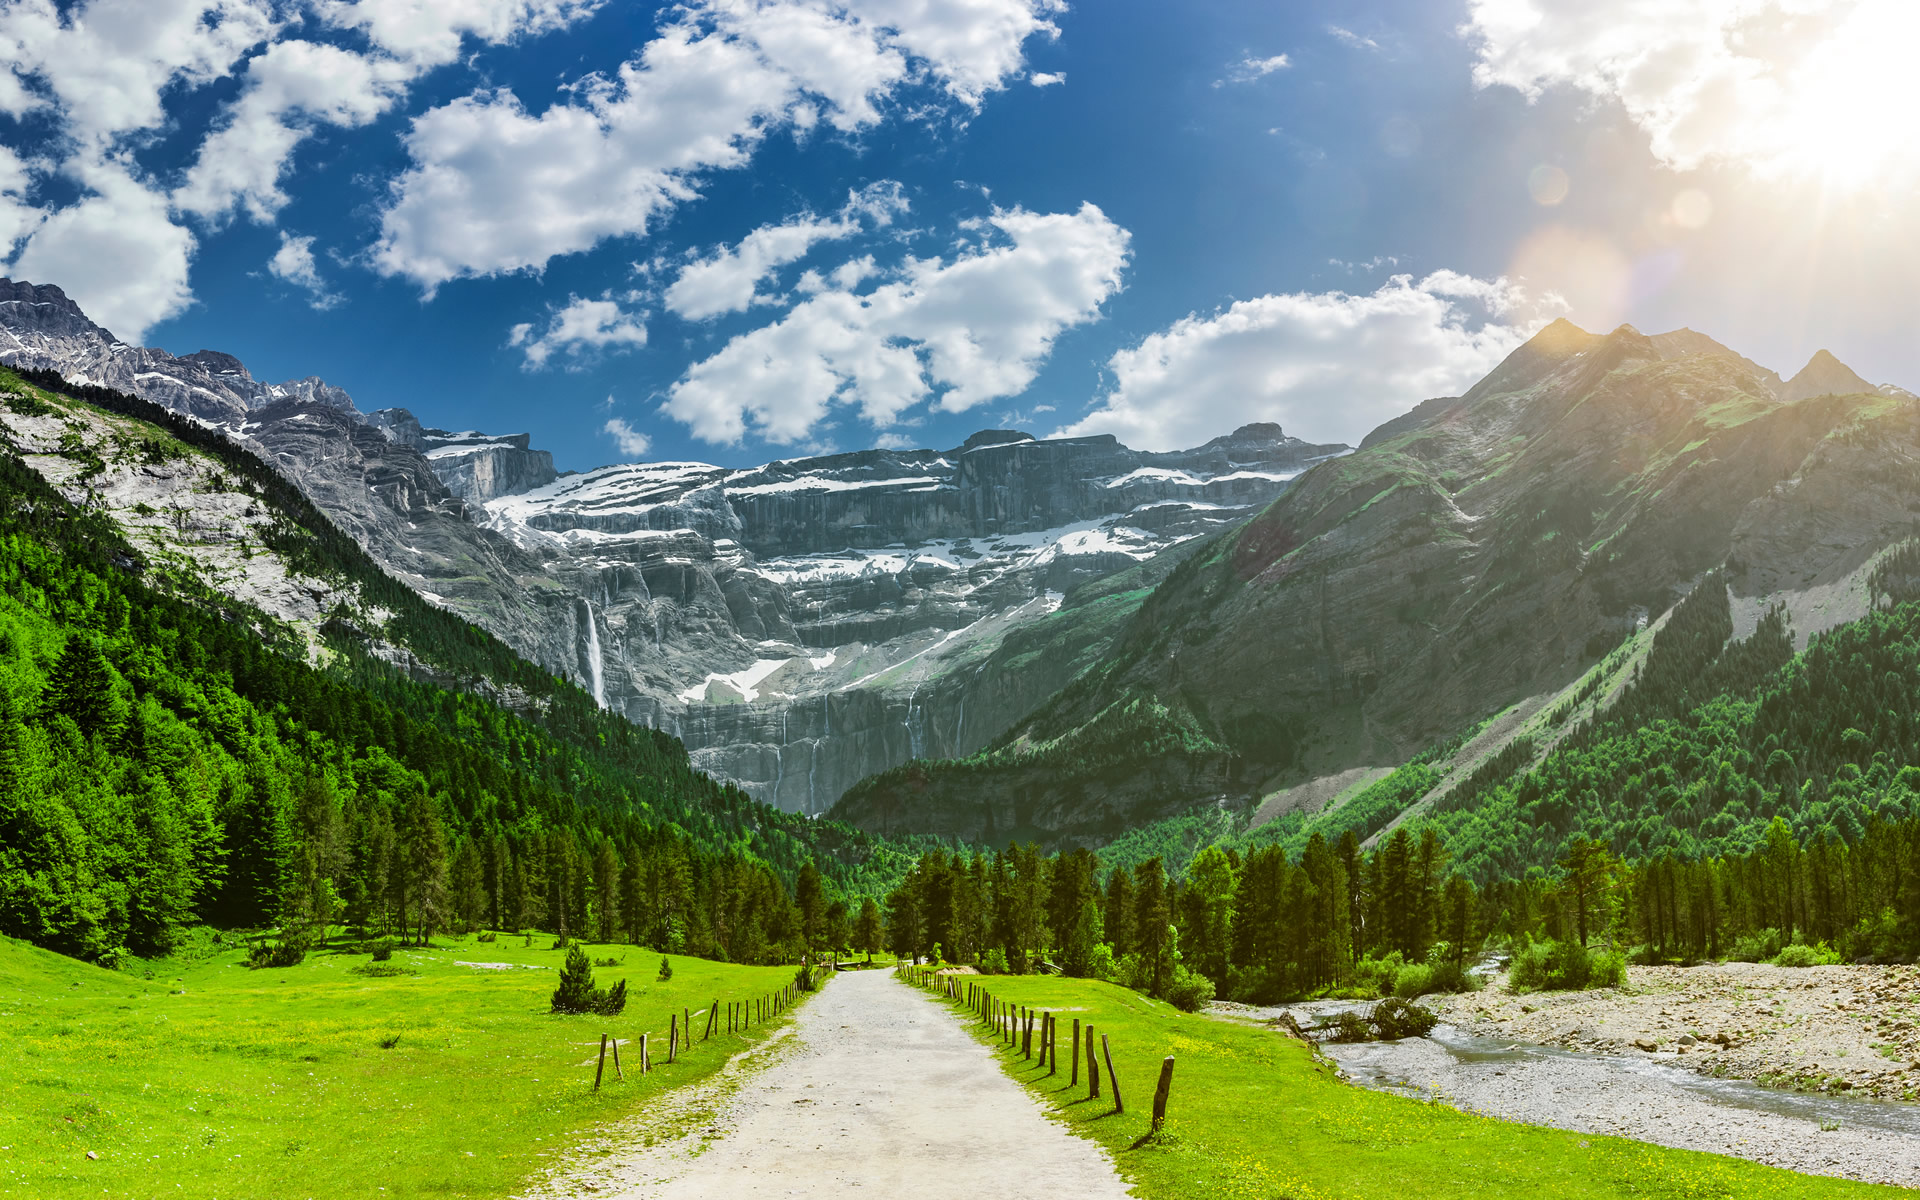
point(213, 1080)
point(1254, 1115)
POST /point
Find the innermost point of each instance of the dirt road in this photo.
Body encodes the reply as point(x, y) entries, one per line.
point(875, 1090)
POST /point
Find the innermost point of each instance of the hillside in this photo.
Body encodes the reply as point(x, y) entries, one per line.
point(214, 706)
point(1482, 553)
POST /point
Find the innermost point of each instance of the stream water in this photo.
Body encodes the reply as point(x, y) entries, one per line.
point(1652, 1098)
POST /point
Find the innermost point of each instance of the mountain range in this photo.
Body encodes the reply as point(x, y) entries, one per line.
point(800, 625)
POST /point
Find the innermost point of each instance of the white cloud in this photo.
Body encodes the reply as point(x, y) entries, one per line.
point(631, 441)
point(1349, 38)
point(18, 216)
point(496, 188)
point(728, 280)
point(105, 64)
point(579, 330)
point(1042, 79)
point(293, 262)
point(115, 252)
point(973, 329)
point(429, 32)
point(1326, 366)
point(1780, 86)
point(1250, 68)
point(971, 46)
point(292, 87)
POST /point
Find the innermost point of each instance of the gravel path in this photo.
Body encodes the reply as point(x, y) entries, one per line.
point(873, 1087)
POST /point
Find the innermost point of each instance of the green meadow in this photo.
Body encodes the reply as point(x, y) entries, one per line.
point(213, 1080)
point(1254, 1115)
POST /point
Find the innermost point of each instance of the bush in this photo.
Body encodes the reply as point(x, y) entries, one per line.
point(1799, 954)
point(1565, 967)
point(1389, 1020)
point(994, 961)
point(287, 952)
point(1190, 990)
point(379, 970)
point(1760, 946)
point(383, 952)
point(1100, 963)
point(608, 961)
point(488, 937)
point(1394, 1018)
point(1414, 980)
point(1376, 976)
point(577, 994)
point(666, 971)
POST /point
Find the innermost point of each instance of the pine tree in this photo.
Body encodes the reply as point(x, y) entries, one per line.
point(867, 932)
point(80, 686)
point(810, 895)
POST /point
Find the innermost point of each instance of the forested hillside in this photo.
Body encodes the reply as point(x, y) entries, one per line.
point(1738, 799)
point(163, 764)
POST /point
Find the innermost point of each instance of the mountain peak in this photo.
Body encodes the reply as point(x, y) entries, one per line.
point(1824, 375)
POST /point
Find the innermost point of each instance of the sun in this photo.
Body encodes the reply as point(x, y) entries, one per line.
point(1845, 110)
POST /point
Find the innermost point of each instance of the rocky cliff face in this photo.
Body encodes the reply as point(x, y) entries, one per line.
point(800, 625)
point(1481, 551)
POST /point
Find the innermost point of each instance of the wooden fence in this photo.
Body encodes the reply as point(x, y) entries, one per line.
point(1027, 1032)
point(741, 1016)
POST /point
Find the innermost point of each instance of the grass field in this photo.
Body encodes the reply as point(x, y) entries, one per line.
point(211, 1080)
point(1254, 1115)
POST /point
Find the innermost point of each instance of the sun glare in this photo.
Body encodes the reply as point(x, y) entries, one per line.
point(1845, 113)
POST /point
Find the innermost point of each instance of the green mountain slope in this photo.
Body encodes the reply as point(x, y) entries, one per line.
point(1479, 554)
point(171, 751)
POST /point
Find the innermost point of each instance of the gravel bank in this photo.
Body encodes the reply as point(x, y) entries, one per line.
point(1828, 1029)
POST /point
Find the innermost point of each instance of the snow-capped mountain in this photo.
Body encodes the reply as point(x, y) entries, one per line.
point(800, 625)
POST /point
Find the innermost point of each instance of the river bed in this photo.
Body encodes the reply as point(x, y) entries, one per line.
point(1648, 1097)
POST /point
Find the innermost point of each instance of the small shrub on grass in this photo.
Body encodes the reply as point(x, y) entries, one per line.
point(1190, 990)
point(994, 961)
point(488, 937)
point(666, 971)
point(577, 994)
point(379, 970)
point(608, 961)
point(287, 952)
point(382, 951)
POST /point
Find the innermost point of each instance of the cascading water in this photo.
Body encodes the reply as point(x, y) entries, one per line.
point(913, 727)
point(596, 665)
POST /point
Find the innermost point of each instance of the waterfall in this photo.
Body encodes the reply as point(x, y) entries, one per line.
point(959, 723)
point(596, 667)
point(913, 734)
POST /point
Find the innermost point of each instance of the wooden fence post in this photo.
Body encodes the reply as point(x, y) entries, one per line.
point(712, 1016)
point(1113, 1081)
point(617, 1072)
point(1160, 1093)
point(686, 1023)
point(1074, 1079)
point(1053, 1044)
point(673, 1036)
point(603, 1063)
point(1093, 1067)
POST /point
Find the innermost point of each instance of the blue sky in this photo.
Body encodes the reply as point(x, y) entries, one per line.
point(740, 229)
